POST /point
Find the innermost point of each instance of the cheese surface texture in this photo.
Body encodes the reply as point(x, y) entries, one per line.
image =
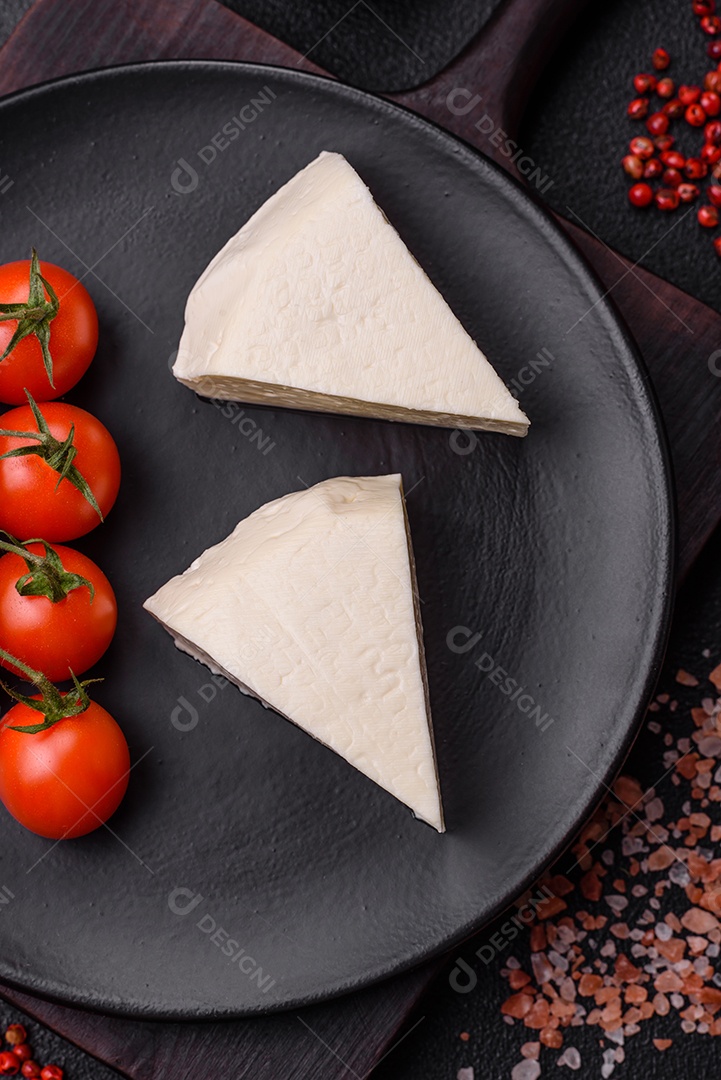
point(316, 303)
point(310, 605)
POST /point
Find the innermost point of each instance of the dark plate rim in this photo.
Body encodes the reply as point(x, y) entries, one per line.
point(663, 482)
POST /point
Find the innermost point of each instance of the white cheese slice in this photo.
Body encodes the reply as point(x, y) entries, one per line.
point(311, 606)
point(316, 303)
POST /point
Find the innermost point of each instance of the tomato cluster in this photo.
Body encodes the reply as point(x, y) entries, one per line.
point(64, 761)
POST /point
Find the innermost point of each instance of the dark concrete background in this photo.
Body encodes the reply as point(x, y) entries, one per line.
point(577, 132)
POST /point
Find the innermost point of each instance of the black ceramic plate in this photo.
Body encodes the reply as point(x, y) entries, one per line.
point(237, 827)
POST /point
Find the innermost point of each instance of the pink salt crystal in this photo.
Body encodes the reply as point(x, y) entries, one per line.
point(710, 746)
point(654, 809)
point(609, 1062)
point(661, 1004)
point(557, 960)
point(466, 1074)
point(570, 1057)
point(542, 970)
point(698, 921)
point(526, 1070)
point(531, 1050)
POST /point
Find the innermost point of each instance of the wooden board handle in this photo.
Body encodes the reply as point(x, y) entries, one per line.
point(495, 75)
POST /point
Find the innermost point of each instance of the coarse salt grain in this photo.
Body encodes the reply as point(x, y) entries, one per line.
point(571, 1058)
point(557, 960)
point(710, 746)
point(542, 970)
point(679, 875)
point(526, 1070)
point(619, 1003)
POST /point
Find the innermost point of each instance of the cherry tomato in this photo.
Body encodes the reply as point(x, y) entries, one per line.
point(67, 780)
point(72, 342)
point(58, 638)
point(32, 503)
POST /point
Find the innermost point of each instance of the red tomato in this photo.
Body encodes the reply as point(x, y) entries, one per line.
point(56, 638)
point(73, 335)
point(32, 503)
point(67, 780)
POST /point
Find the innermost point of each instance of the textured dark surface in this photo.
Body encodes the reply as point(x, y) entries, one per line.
point(578, 131)
point(49, 1049)
point(375, 44)
point(434, 1051)
point(274, 869)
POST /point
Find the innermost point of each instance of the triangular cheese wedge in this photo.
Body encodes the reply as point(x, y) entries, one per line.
point(311, 606)
point(318, 304)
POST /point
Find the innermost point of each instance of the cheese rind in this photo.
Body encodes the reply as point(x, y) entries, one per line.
point(310, 605)
point(316, 303)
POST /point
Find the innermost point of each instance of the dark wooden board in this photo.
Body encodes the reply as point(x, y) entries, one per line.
point(344, 1039)
point(59, 37)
